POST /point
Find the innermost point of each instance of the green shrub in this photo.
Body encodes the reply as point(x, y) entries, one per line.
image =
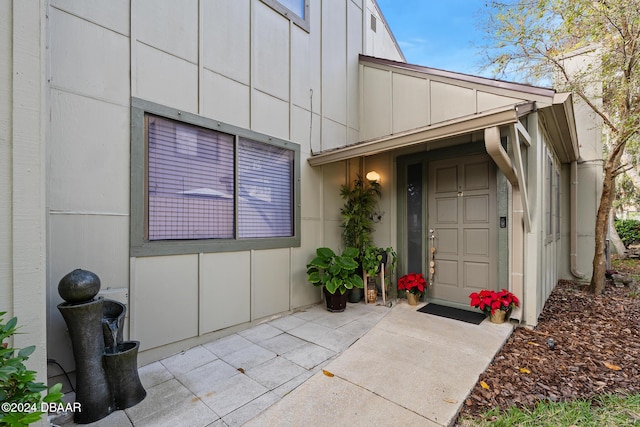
point(20, 395)
point(628, 230)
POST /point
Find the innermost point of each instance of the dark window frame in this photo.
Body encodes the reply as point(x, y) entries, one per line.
point(139, 245)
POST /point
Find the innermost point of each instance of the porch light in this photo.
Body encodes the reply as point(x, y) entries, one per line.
point(373, 176)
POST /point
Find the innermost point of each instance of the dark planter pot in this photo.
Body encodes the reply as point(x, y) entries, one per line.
point(355, 295)
point(335, 302)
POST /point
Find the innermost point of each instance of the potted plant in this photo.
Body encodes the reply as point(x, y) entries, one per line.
point(414, 285)
point(358, 212)
point(496, 305)
point(358, 218)
point(336, 274)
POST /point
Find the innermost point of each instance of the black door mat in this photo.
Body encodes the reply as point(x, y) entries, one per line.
point(453, 313)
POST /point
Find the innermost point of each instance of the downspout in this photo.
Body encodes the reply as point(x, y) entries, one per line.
point(502, 160)
point(574, 221)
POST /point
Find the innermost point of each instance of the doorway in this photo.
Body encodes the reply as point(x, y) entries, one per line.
point(450, 225)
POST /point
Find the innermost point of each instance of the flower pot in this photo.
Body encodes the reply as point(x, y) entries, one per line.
point(413, 299)
point(497, 316)
point(335, 302)
point(355, 295)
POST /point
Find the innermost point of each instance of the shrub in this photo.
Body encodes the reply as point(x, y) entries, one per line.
point(18, 388)
point(628, 230)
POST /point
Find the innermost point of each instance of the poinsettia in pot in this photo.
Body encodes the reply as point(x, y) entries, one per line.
point(414, 284)
point(496, 305)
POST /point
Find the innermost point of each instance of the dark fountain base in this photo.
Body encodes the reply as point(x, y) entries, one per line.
point(106, 367)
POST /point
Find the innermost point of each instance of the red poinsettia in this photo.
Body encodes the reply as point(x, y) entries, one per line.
point(490, 301)
point(413, 282)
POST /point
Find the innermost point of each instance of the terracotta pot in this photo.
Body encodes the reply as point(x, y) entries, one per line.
point(497, 316)
point(413, 299)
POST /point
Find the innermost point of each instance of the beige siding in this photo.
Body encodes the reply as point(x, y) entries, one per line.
point(334, 64)
point(411, 107)
point(6, 245)
point(85, 50)
point(270, 282)
point(270, 52)
point(176, 85)
point(225, 290)
point(161, 286)
point(449, 102)
point(22, 183)
point(229, 21)
point(376, 103)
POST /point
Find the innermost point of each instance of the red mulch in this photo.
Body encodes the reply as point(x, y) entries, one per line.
point(597, 350)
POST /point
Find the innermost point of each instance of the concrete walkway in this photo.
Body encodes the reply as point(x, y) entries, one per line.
point(370, 365)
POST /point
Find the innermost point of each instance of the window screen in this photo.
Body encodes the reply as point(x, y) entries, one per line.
point(190, 182)
point(265, 186)
point(192, 190)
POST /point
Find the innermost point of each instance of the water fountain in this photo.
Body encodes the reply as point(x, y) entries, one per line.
point(106, 366)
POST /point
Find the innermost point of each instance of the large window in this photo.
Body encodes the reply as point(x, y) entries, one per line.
point(202, 186)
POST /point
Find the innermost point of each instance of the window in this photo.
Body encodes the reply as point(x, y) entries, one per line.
point(296, 11)
point(198, 185)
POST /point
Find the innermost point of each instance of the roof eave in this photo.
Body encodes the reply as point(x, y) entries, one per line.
point(438, 131)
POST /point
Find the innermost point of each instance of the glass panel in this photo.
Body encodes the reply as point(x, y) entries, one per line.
point(265, 187)
point(295, 6)
point(414, 218)
point(190, 182)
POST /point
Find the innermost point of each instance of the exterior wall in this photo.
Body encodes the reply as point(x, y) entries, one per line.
point(6, 144)
point(22, 174)
point(236, 61)
point(589, 183)
point(394, 101)
point(381, 42)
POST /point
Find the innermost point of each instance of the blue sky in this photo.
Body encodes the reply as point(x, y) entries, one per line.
point(437, 33)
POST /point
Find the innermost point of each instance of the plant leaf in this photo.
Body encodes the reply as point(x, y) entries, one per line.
point(484, 385)
point(525, 371)
point(612, 367)
point(327, 373)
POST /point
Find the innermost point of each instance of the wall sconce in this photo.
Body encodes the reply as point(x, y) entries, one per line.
point(373, 176)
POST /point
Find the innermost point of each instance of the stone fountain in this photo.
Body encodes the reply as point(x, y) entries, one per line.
point(106, 366)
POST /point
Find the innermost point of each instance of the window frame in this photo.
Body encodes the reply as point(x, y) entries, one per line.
point(139, 245)
point(301, 22)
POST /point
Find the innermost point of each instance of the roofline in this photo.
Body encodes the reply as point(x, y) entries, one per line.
point(386, 24)
point(439, 131)
point(519, 87)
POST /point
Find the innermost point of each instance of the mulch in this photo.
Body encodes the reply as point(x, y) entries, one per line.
point(583, 346)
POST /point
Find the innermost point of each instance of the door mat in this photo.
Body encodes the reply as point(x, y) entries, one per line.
point(453, 313)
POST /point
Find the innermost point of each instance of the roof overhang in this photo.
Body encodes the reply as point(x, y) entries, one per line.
point(452, 128)
point(560, 123)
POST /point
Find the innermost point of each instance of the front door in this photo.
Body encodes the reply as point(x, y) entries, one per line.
point(461, 226)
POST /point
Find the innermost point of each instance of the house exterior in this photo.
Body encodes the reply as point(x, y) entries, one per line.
point(190, 153)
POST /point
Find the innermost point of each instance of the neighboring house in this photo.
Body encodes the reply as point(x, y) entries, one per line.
point(191, 152)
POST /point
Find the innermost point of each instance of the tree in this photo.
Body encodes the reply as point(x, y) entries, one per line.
point(531, 39)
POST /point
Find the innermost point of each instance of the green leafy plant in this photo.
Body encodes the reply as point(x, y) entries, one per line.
point(628, 230)
point(358, 212)
point(371, 259)
point(20, 394)
point(337, 273)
